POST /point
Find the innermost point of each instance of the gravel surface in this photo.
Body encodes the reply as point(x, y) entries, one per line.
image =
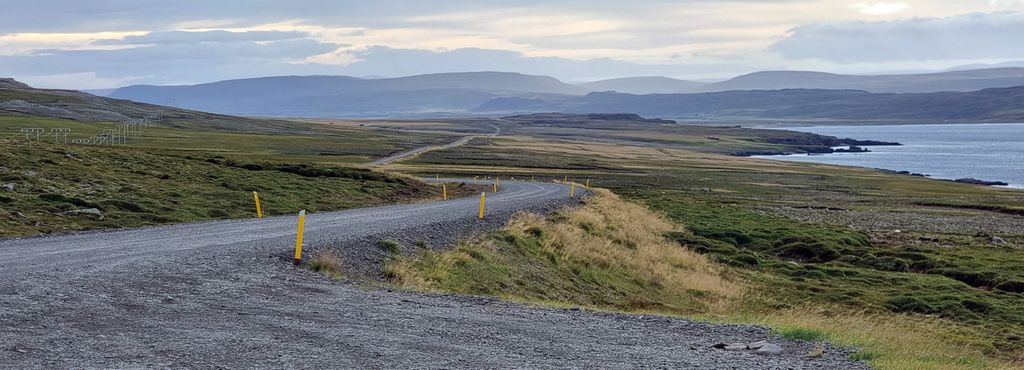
point(224, 294)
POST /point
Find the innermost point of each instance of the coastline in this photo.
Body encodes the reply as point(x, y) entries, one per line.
point(992, 152)
point(963, 180)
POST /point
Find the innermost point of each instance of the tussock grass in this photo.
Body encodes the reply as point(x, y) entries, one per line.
point(328, 263)
point(390, 246)
point(608, 253)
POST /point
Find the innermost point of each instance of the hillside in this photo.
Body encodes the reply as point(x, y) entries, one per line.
point(643, 85)
point(991, 105)
point(319, 96)
point(961, 80)
point(18, 99)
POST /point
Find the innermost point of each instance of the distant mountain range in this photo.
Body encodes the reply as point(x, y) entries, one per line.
point(970, 80)
point(643, 85)
point(325, 96)
point(453, 94)
point(988, 105)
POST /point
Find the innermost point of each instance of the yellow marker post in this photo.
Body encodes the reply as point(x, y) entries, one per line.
point(588, 184)
point(532, 179)
point(437, 178)
point(444, 191)
point(495, 185)
point(259, 209)
point(572, 190)
point(298, 237)
point(483, 200)
point(566, 179)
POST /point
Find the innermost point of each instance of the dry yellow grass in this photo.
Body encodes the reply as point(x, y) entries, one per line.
point(618, 245)
point(609, 231)
point(887, 341)
point(327, 262)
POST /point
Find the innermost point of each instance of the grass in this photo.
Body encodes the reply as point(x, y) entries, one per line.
point(607, 254)
point(390, 247)
point(173, 176)
point(937, 295)
point(328, 263)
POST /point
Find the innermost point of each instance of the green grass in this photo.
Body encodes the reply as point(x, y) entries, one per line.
point(136, 188)
point(390, 247)
point(797, 333)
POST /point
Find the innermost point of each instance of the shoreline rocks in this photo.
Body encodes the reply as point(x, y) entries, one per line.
point(974, 181)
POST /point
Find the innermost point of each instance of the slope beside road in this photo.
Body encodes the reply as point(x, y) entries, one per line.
point(224, 294)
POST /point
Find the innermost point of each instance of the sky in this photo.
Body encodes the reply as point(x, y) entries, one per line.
point(111, 43)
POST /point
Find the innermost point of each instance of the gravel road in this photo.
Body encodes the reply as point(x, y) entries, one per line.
point(417, 151)
point(224, 294)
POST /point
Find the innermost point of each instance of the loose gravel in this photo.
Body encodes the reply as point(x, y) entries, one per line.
point(224, 294)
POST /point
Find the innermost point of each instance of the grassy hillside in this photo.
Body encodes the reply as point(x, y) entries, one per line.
point(22, 101)
point(45, 188)
point(919, 273)
point(171, 175)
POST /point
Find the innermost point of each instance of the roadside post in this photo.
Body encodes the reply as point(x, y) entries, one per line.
point(572, 190)
point(259, 209)
point(483, 200)
point(566, 179)
point(444, 191)
point(298, 237)
point(588, 184)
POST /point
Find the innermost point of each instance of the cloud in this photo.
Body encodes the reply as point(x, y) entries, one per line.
point(973, 36)
point(164, 58)
point(881, 8)
point(183, 37)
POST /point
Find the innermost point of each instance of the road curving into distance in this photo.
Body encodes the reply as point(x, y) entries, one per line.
point(224, 294)
point(79, 253)
point(417, 151)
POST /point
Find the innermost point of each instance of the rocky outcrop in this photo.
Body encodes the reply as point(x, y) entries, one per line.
point(981, 182)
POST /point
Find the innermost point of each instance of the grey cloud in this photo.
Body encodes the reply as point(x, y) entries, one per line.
point(972, 36)
point(173, 62)
point(193, 63)
point(126, 15)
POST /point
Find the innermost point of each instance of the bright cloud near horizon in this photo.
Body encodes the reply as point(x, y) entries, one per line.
point(85, 44)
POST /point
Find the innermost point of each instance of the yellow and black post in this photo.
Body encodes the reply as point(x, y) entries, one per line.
point(298, 237)
point(444, 191)
point(483, 200)
point(259, 209)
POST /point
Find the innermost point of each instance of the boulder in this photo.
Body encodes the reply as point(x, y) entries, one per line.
point(758, 344)
point(769, 349)
point(87, 211)
point(8, 187)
